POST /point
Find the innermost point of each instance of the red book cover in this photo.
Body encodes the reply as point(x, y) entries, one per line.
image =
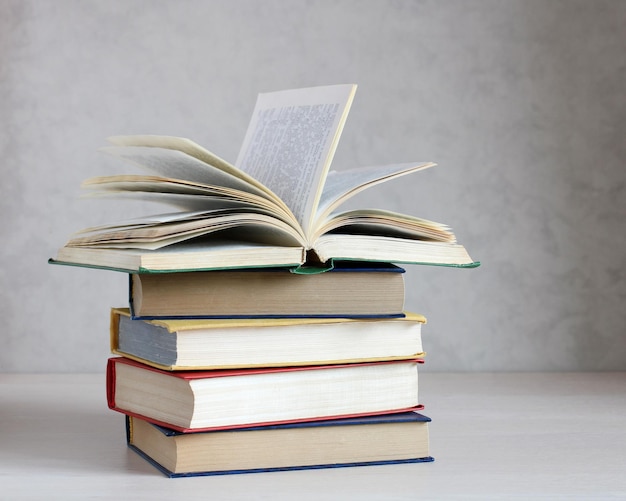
point(194, 375)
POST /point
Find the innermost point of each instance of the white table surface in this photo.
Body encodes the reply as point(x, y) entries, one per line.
point(493, 436)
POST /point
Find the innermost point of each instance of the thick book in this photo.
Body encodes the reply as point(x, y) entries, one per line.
point(192, 401)
point(208, 344)
point(366, 441)
point(350, 290)
point(278, 205)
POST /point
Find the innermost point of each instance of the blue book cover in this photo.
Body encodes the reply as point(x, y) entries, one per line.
point(361, 441)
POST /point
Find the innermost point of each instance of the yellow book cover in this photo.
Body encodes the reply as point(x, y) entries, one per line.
point(194, 344)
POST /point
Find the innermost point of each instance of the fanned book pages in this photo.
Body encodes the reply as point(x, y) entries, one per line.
point(278, 205)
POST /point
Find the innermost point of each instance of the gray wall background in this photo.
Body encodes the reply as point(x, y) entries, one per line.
point(522, 104)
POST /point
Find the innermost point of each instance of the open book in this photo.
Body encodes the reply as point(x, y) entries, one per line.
point(277, 206)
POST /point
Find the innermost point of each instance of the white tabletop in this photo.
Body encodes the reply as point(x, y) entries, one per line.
point(493, 436)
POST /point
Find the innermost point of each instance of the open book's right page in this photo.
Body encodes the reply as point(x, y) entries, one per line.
point(290, 143)
point(341, 185)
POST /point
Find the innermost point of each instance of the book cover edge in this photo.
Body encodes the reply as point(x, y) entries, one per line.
point(170, 474)
point(195, 374)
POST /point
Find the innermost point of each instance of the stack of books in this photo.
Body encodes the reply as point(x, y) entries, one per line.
point(265, 329)
point(223, 371)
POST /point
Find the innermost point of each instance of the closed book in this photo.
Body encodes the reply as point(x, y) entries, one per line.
point(363, 290)
point(221, 399)
point(369, 440)
point(192, 344)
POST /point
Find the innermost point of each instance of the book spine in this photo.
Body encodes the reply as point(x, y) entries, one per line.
point(110, 383)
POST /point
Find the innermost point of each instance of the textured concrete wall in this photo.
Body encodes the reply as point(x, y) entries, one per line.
point(522, 104)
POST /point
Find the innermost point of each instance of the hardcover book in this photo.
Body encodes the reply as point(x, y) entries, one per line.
point(208, 344)
point(278, 205)
point(348, 290)
point(365, 441)
point(191, 401)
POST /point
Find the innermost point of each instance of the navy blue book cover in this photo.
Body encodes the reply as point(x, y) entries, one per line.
point(404, 417)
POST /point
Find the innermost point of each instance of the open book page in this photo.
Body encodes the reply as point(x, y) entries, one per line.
point(139, 222)
point(212, 161)
point(181, 201)
point(178, 165)
point(341, 185)
point(185, 194)
point(386, 223)
point(190, 148)
point(155, 232)
point(290, 143)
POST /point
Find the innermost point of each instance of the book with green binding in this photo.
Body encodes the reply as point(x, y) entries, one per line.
point(278, 205)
